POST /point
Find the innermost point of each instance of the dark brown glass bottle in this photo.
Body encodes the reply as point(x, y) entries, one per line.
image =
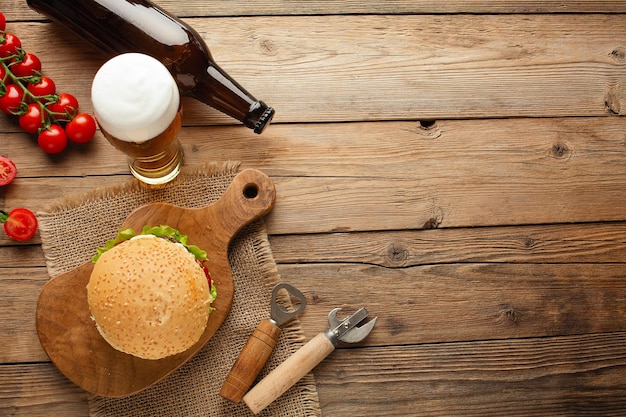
point(119, 26)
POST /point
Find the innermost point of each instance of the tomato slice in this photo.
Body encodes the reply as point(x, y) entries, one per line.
point(8, 171)
point(20, 224)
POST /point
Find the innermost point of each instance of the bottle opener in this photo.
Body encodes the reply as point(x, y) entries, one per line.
point(308, 357)
point(259, 346)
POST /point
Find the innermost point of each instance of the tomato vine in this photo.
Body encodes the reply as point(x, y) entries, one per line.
point(31, 96)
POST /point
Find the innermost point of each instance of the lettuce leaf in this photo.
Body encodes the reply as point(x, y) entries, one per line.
point(213, 292)
point(122, 236)
point(162, 231)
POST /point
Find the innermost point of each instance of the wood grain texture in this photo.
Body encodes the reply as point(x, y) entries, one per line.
point(349, 204)
point(552, 244)
point(20, 288)
point(393, 67)
point(14, 9)
point(578, 375)
point(573, 375)
point(465, 302)
point(453, 174)
point(560, 243)
point(385, 150)
point(251, 360)
point(458, 301)
point(456, 167)
point(38, 389)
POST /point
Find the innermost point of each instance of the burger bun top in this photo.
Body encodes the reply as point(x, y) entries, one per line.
point(149, 297)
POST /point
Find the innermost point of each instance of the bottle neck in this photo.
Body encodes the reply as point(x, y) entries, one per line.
point(217, 89)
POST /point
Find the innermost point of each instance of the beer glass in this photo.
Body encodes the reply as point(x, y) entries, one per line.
point(138, 108)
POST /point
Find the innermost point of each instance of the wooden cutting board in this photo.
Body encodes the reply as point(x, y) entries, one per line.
point(64, 325)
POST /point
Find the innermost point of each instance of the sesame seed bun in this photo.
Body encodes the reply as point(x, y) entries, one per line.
point(149, 297)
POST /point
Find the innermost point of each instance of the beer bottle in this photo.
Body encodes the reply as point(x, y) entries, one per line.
point(121, 26)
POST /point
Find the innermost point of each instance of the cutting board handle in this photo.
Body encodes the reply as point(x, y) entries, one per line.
point(250, 195)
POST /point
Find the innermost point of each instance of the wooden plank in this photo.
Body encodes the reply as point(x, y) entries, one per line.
point(18, 336)
point(22, 255)
point(14, 9)
point(563, 243)
point(571, 375)
point(453, 174)
point(445, 148)
point(567, 243)
point(323, 205)
point(39, 389)
point(465, 302)
point(337, 68)
point(578, 375)
point(424, 304)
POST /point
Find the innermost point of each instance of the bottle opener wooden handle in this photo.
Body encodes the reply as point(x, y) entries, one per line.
point(250, 361)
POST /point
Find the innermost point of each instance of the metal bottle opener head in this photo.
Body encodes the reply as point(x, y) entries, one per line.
point(279, 313)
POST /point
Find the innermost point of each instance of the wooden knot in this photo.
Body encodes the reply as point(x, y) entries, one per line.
point(560, 151)
point(508, 315)
point(268, 47)
point(397, 254)
point(429, 129)
point(612, 99)
point(619, 55)
point(427, 124)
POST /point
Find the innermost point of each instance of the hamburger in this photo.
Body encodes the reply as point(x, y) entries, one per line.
point(150, 293)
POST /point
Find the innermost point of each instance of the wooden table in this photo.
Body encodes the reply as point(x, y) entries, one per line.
point(459, 168)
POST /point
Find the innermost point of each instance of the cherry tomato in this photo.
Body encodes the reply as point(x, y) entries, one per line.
point(19, 224)
point(53, 139)
point(3, 22)
point(66, 104)
point(29, 65)
point(8, 171)
point(31, 121)
point(81, 129)
point(11, 100)
point(45, 87)
point(10, 45)
point(3, 75)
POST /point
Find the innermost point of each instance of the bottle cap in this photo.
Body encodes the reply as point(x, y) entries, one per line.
point(134, 97)
point(259, 116)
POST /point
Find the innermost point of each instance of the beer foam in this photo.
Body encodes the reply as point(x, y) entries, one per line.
point(134, 97)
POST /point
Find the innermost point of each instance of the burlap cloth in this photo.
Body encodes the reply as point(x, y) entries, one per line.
point(72, 227)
